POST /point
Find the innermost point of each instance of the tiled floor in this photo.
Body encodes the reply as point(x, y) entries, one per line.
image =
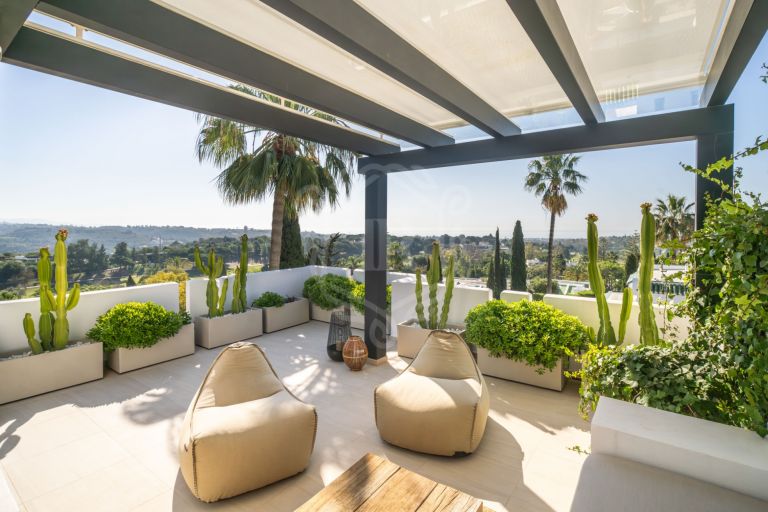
point(111, 444)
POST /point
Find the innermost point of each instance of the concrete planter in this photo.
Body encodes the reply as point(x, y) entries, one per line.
point(519, 371)
point(223, 330)
point(124, 360)
point(356, 320)
point(33, 375)
point(411, 337)
point(289, 314)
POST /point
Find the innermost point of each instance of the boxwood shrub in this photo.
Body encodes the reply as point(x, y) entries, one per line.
point(329, 291)
point(135, 325)
point(532, 332)
point(357, 297)
point(269, 300)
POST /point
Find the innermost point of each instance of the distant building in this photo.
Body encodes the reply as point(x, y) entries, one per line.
point(666, 283)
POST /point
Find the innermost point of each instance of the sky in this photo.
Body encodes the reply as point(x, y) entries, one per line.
point(76, 154)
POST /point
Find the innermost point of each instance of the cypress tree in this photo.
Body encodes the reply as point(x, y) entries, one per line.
point(519, 270)
point(291, 250)
point(499, 276)
point(630, 265)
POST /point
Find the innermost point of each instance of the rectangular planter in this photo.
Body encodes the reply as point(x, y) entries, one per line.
point(410, 337)
point(289, 314)
point(223, 330)
point(124, 360)
point(356, 320)
point(28, 376)
point(518, 371)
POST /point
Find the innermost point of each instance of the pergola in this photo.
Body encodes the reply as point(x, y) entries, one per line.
point(411, 71)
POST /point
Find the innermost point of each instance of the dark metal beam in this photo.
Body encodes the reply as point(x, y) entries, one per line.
point(13, 14)
point(376, 265)
point(671, 127)
point(67, 57)
point(151, 26)
point(710, 149)
point(741, 37)
point(546, 28)
point(347, 25)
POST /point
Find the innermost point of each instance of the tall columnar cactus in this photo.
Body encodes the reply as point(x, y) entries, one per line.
point(239, 297)
point(605, 334)
point(433, 278)
point(649, 332)
point(213, 271)
point(54, 328)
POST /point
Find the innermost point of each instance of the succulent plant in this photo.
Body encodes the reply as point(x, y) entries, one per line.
point(213, 271)
point(433, 278)
point(649, 332)
point(239, 296)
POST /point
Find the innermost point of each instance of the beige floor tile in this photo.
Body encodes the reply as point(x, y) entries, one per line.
point(29, 439)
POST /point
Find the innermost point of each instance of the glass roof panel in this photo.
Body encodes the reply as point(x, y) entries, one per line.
point(481, 44)
point(255, 24)
point(636, 48)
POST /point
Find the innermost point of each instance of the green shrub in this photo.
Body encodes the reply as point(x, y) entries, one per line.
point(584, 293)
point(357, 297)
point(677, 378)
point(135, 325)
point(539, 285)
point(532, 332)
point(269, 300)
point(329, 291)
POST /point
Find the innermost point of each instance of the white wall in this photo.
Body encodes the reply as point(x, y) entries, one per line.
point(359, 275)
point(404, 300)
point(515, 296)
point(288, 282)
point(83, 317)
point(585, 309)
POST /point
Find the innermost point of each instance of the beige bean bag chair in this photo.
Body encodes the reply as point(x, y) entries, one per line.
point(439, 404)
point(243, 429)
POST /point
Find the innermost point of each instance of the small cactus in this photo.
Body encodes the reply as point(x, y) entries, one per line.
point(213, 271)
point(433, 278)
point(649, 332)
point(239, 296)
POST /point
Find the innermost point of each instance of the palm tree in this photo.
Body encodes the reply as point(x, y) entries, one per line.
point(674, 219)
point(258, 163)
point(551, 178)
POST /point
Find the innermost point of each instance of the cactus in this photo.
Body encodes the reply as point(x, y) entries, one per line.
point(649, 333)
point(213, 271)
point(605, 334)
point(433, 278)
point(54, 328)
point(239, 297)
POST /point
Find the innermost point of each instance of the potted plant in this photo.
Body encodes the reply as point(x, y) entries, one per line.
point(357, 300)
point(139, 334)
point(412, 333)
point(53, 362)
point(217, 328)
point(282, 312)
point(328, 293)
point(524, 341)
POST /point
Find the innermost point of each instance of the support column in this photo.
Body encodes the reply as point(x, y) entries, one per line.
point(710, 149)
point(376, 265)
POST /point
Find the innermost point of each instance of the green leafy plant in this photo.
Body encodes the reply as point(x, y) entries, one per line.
point(329, 291)
point(433, 278)
point(213, 271)
point(53, 323)
point(532, 332)
point(357, 297)
point(269, 300)
point(135, 325)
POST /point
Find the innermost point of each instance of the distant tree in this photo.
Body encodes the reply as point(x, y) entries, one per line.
point(558, 264)
point(420, 261)
point(519, 267)
point(8, 295)
point(445, 240)
point(121, 256)
point(551, 178)
point(165, 276)
point(292, 250)
point(499, 280)
point(630, 265)
point(674, 219)
point(131, 281)
point(330, 249)
point(396, 256)
point(613, 275)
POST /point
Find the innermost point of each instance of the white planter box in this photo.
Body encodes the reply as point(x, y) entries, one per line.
point(223, 330)
point(519, 371)
point(33, 375)
point(356, 320)
point(411, 337)
point(289, 314)
point(124, 360)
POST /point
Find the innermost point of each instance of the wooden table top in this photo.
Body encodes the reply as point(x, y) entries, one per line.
point(376, 484)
